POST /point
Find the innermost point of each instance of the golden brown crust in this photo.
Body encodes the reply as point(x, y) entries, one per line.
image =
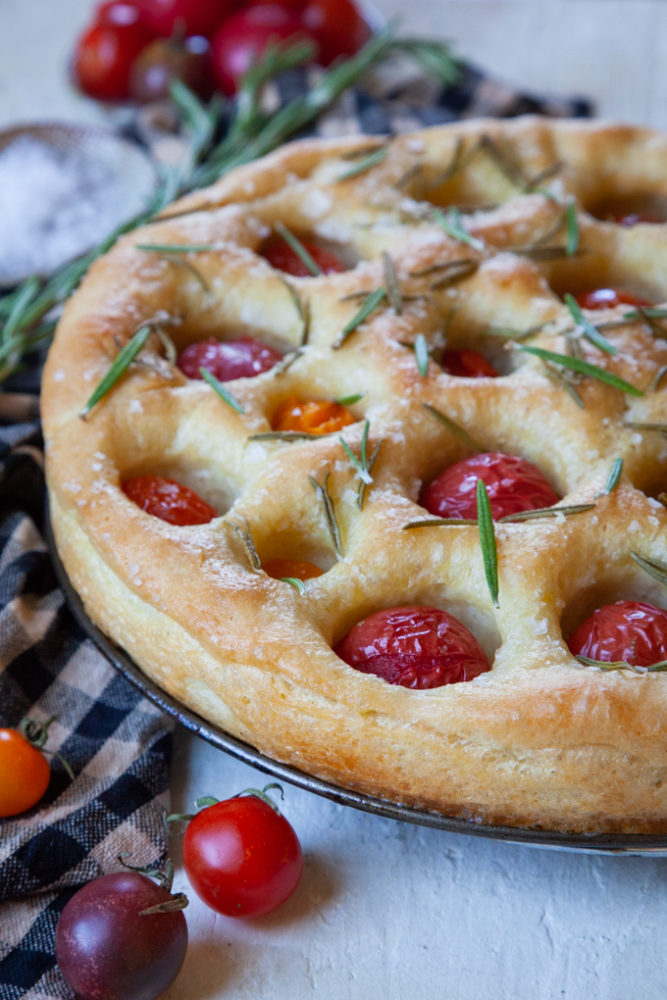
point(539, 740)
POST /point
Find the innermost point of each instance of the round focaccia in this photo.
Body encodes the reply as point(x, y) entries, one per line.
point(481, 237)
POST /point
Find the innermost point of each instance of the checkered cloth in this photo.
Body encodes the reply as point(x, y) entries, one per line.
point(115, 741)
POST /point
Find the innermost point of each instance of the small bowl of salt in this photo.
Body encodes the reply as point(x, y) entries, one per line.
point(63, 189)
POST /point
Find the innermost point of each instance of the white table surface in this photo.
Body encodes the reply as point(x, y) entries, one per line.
point(387, 909)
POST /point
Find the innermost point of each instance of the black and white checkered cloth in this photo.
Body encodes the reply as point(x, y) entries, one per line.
point(116, 742)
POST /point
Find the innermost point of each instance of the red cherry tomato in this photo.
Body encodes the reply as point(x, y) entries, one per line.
point(608, 298)
point(168, 500)
point(416, 647)
point(190, 17)
point(625, 632)
point(107, 949)
point(242, 857)
point(337, 26)
point(117, 12)
point(281, 256)
point(24, 773)
point(513, 486)
point(228, 359)
point(243, 37)
point(104, 55)
point(466, 363)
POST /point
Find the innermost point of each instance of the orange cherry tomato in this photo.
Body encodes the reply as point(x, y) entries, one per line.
point(24, 773)
point(312, 416)
point(608, 298)
point(296, 568)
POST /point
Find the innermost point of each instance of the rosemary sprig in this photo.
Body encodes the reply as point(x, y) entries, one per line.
point(455, 428)
point(286, 436)
point(394, 293)
point(322, 490)
point(361, 463)
point(583, 368)
point(363, 486)
point(421, 354)
point(295, 244)
point(370, 304)
point(572, 229)
point(221, 390)
point(350, 400)
point(509, 167)
point(367, 163)
point(487, 540)
point(654, 567)
point(458, 271)
point(295, 582)
point(168, 248)
point(302, 308)
point(253, 131)
point(118, 367)
point(244, 533)
point(590, 332)
point(622, 665)
point(438, 522)
point(451, 222)
point(657, 378)
point(658, 428)
point(525, 515)
point(613, 478)
point(539, 512)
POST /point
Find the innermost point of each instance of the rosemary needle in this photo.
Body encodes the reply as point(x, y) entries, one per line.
point(295, 244)
point(119, 366)
point(221, 390)
point(421, 354)
point(583, 368)
point(369, 305)
point(589, 331)
point(368, 162)
point(487, 540)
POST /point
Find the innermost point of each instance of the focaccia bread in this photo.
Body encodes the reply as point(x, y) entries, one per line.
point(475, 236)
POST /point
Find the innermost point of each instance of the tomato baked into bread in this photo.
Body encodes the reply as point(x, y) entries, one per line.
point(361, 453)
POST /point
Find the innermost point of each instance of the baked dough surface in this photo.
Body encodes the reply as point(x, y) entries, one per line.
point(540, 740)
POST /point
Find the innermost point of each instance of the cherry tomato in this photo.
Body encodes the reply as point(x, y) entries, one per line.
point(628, 631)
point(103, 58)
point(312, 416)
point(117, 12)
point(608, 298)
point(107, 949)
point(635, 218)
point(467, 363)
point(281, 256)
point(168, 59)
point(416, 647)
point(242, 857)
point(24, 773)
point(190, 17)
point(337, 26)
point(168, 500)
point(243, 37)
point(228, 359)
point(513, 485)
point(296, 568)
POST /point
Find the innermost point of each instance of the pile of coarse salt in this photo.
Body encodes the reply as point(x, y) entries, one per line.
point(55, 203)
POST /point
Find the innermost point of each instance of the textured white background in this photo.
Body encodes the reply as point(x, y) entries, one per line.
point(386, 909)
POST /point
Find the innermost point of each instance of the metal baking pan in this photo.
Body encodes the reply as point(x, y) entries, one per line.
point(635, 844)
